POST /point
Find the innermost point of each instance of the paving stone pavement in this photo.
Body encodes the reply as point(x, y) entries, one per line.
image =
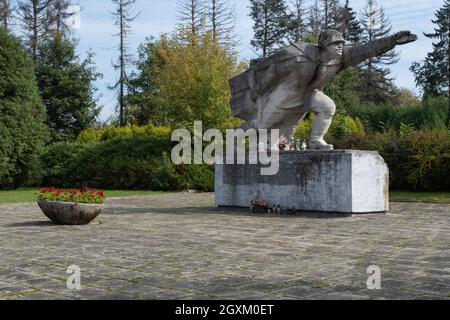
point(178, 246)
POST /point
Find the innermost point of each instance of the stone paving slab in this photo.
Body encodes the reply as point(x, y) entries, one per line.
point(179, 246)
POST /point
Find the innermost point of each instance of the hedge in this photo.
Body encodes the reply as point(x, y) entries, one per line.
point(432, 113)
point(418, 160)
point(123, 160)
point(133, 158)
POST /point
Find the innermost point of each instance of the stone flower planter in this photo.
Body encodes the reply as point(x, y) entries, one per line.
point(70, 213)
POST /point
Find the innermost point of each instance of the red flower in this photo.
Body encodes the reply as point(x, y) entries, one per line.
point(52, 188)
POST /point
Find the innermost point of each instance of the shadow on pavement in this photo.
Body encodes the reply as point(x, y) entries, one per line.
point(222, 211)
point(32, 224)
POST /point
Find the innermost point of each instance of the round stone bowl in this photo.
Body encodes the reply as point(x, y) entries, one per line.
point(70, 213)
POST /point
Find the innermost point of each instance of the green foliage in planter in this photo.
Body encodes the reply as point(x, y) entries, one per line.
point(22, 128)
point(87, 196)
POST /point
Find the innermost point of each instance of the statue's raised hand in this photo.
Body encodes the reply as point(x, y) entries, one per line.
point(404, 37)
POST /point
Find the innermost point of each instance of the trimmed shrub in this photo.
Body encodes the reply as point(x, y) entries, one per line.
point(56, 160)
point(340, 127)
point(97, 135)
point(418, 160)
point(432, 113)
point(127, 158)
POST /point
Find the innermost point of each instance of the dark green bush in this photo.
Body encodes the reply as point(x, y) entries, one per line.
point(22, 128)
point(56, 160)
point(432, 113)
point(418, 160)
point(139, 161)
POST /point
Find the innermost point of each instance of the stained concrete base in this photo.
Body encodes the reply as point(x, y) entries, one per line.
point(346, 181)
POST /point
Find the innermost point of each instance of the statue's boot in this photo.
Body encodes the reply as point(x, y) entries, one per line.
point(319, 129)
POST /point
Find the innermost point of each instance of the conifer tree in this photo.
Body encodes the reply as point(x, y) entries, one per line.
point(191, 16)
point(315, 21)
point(374, 82)
point(221, 21)
point(22, 129)
point(298, 23)
point(58, 15)
point(123, 17)
point(336, 14)
point(350, 28)
point(35, 21)
point(66, 85)
point(433, 74)
point(270, 24)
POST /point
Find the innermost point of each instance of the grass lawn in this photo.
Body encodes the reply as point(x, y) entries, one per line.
point(29, 195)
point(429, 197)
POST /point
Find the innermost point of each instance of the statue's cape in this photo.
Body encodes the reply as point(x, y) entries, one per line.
point(266, 72)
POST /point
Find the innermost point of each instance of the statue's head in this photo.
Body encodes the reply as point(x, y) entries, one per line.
point(332, 42)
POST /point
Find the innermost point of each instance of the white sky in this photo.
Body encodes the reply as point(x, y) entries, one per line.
point(158, 16)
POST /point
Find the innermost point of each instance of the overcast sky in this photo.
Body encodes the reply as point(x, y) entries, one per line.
point(158, 16)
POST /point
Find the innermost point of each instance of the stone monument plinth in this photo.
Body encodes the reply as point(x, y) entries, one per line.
point(344, 181)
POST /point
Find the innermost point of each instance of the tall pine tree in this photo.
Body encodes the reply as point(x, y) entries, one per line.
point(433, 74)
point(374, 82)
point(270, 24)
point(22, 130)
point(331, 14)
point(35, 21)
point(298, 23)
point(191, 16)
point(66, 84)
point(123, 17)
point(350, 27)
point(58, 15)
point(143, 94)
point(314, 22)
point(221, 21)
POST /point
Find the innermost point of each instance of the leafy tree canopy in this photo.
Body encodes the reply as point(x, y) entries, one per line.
point(186, 81)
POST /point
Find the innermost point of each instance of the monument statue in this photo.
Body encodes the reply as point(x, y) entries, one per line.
point(277, 91)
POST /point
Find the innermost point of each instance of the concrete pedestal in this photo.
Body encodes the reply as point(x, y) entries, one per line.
point(346, 181)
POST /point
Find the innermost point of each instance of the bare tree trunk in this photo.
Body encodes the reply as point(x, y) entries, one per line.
point(214, 19)
point(123, 17)
point(122, 67)
point(34, 40)
point(35, 19)
point(5, 14)
point(190, 15)
point(326, 14)
point(265, 32)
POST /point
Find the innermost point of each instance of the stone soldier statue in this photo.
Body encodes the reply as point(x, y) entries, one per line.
point(278, 91)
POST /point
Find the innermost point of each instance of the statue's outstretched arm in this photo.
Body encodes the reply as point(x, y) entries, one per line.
point(354, 55)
